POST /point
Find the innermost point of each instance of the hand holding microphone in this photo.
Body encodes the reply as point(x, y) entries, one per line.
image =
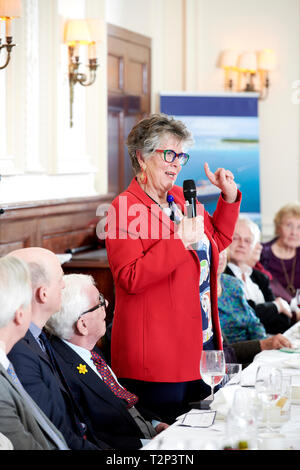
point(191, 228)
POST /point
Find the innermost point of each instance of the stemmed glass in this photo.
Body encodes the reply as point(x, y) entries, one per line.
point(232, 374)
point(212, 368)
point(268, 384)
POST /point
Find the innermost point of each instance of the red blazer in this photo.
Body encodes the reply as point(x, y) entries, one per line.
point(157, 326)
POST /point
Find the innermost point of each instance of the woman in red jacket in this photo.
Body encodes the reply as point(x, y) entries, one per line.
point(166, 308)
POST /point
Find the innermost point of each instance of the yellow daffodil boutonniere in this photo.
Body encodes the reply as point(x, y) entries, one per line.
point(82, 369)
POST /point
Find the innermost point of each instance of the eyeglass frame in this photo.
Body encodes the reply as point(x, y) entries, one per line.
point(175, 155)
point(92, 309)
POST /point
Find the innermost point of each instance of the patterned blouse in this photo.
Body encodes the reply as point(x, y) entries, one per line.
point(237, 318)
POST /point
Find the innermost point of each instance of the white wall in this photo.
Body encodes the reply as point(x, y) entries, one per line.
point(45, 158)
point(185, 54)
point(256, 25)
point(41, 156)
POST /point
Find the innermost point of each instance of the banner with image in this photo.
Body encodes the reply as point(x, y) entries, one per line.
point(226, 134)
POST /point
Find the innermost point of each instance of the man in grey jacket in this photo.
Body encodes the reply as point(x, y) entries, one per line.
point(21, 420)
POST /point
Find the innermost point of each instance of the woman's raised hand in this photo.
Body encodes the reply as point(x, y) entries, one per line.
point(224, 180)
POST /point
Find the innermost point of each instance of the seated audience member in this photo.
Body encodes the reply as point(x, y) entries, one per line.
point(254, 258)
point(35, 363)
point(76, 329)
point(237, 318)
point(274, 314)
point(23, 426)
point(281, 255)
point(253, 262)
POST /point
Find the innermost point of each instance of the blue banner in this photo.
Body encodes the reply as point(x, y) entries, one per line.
point(226, 134)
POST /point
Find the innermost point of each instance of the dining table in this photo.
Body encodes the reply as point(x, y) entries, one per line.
point(206, 429)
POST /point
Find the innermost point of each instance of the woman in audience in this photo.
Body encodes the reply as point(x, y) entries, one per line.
point(274, 313)
point(254, 262)
point(163, 317)
point(281, 256)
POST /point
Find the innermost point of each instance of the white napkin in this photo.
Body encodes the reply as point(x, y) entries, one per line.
point(223, 400)
point(293, 363)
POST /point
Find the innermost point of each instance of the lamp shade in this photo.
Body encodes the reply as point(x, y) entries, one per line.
point(97, 29)
point(228, 59)
point(10, 8)
point(247, 61)
point(77, 31)
point(266, 60)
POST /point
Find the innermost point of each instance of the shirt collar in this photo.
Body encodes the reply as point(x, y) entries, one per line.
point(35, 330)
point(237, 270)
point(85, 354)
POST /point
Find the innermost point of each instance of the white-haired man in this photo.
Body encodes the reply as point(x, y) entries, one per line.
point(34, 361)
point(76, 329)
point(274, 313)
point(21, 421)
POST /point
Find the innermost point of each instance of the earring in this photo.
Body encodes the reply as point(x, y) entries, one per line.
point(143, 177)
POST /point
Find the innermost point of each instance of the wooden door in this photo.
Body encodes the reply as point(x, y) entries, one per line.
point(129, 94)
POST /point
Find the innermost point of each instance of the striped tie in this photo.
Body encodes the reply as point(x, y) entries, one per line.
point(108, 378)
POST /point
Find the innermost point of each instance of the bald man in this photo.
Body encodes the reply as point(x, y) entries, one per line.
point(35, 364)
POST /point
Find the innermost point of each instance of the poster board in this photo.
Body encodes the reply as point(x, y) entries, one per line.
point(225, 128)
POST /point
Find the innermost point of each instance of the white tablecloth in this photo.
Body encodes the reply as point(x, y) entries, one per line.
point(178, 437)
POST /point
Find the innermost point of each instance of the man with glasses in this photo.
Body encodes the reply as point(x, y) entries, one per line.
point(34, 361)
point(76, 329)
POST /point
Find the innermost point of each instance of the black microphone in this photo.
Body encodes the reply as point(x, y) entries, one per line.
point(190, 195)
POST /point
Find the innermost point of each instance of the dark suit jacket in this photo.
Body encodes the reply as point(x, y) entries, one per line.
point(267, 312)
point(107, 413)
point(38, 378)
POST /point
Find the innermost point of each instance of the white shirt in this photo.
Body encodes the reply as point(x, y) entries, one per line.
point(5, 443)
point(252, 291)
point(3, 357)
point(85, 354)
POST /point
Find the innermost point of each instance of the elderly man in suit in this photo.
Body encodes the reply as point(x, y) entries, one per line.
point(76, 330)
point(21, 421)
point(34, 360)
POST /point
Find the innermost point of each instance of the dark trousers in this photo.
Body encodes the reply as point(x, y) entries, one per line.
point(169, 400)
point(165, 399)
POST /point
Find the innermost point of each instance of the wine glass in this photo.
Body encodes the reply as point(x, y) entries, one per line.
point(241, 421)
point(268, 384)
point(232, 374)
point(212, 368)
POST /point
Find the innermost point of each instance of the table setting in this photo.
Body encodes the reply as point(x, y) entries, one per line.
point(257, 408)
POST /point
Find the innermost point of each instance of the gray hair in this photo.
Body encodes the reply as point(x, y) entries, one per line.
point(73, 303)
point(15, 287)
point(253, 227)
point(292, 209)
point(148, 133)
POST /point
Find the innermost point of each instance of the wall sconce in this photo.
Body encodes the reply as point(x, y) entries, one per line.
point(81, 32)
point(9, 9)
point(227, 61)
point(248, 71)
